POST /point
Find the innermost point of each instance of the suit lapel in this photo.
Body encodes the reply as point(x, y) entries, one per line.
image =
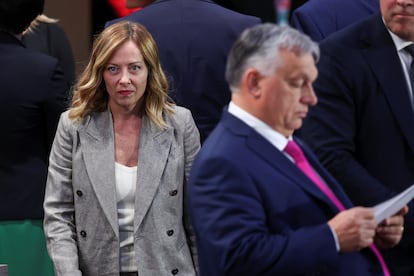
point(154, 149)
point(280, 162)
point(97, 141)
point(275, 158)
point(324, 174)
point(394, 84)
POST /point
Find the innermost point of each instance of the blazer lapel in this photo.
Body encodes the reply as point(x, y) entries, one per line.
point(394, 85)
point(97, 141)
point(154, 149)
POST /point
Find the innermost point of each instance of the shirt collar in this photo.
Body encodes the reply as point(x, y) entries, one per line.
point(399, 43)
point(274, 137)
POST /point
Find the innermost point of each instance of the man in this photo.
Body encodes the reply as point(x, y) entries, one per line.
point(320, 18)
point(253, 210)
point(32, 96)
point(193, 38)
point(362, 129)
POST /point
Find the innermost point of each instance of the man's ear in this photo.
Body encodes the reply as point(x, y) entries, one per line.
point(252, 81)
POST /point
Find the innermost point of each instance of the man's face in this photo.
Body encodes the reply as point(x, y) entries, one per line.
point(288, 93)
point(399, 17)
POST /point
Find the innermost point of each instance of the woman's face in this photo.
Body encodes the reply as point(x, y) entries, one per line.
point(125, 78)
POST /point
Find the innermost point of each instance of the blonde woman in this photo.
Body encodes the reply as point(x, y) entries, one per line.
point(119, 166)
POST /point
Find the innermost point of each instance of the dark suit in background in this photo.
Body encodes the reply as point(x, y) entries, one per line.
point(193, 39)
point(319, 18)
point(363, 126)
point(51, 39)
point(32, 96)
point(265, 9)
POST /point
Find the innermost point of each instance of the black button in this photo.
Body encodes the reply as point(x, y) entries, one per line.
point(173, 193)
point(174, 271)
point(83, 233)
point(79, 193)
point(170, 232)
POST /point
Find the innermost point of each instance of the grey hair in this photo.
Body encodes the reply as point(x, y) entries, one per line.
point(259, 47)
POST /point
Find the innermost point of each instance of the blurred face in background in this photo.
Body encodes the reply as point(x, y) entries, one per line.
point(399, 17)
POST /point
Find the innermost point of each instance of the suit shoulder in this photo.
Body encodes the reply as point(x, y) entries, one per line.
point(37, 59)
point(354, 33)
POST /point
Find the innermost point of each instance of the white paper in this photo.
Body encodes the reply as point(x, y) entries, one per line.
point(393, 205)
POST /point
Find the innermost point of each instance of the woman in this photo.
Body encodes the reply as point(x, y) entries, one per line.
point(119, 165)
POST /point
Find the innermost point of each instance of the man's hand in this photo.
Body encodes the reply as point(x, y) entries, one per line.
point(355, 228)
point(390, 231)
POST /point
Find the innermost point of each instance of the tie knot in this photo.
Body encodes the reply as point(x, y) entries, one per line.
point(295, 151)
point(410, 49)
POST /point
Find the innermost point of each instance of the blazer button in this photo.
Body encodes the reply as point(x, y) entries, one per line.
point(79, 193)
point(174, 271)
point(83, 234)
point(170, 232)
point(173, 193)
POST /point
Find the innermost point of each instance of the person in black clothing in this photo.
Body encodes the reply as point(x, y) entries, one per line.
point(265, 9)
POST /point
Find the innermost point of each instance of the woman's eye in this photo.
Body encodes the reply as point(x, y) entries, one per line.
point(134, 67)
point(112, 69)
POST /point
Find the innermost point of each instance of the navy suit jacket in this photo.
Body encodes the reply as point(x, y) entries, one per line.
point(319, 18)
point(255, 213)
point(362, 129)
point(32, 96)
point(194, 38)
point(51, 39)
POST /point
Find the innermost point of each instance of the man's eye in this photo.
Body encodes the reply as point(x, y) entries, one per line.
point(296, 84)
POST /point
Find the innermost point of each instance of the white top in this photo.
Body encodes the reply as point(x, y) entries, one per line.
point(125, 180)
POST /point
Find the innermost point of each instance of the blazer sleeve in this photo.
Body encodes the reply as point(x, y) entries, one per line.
point(191, 148)
point(59, 224)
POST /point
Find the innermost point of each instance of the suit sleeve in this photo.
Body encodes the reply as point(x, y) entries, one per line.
point(231, 225)
point(332, 127)
point(56, 101)
point(304, 22)
point(62, 50)
point(59, 224)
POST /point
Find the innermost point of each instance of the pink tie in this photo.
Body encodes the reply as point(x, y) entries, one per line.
point(294, 150)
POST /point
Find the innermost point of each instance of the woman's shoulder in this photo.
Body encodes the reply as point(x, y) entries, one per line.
point(72, 123)
point(178, 115)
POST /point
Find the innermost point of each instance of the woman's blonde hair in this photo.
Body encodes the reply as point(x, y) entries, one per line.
point(39, 19)
point(90, 94)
